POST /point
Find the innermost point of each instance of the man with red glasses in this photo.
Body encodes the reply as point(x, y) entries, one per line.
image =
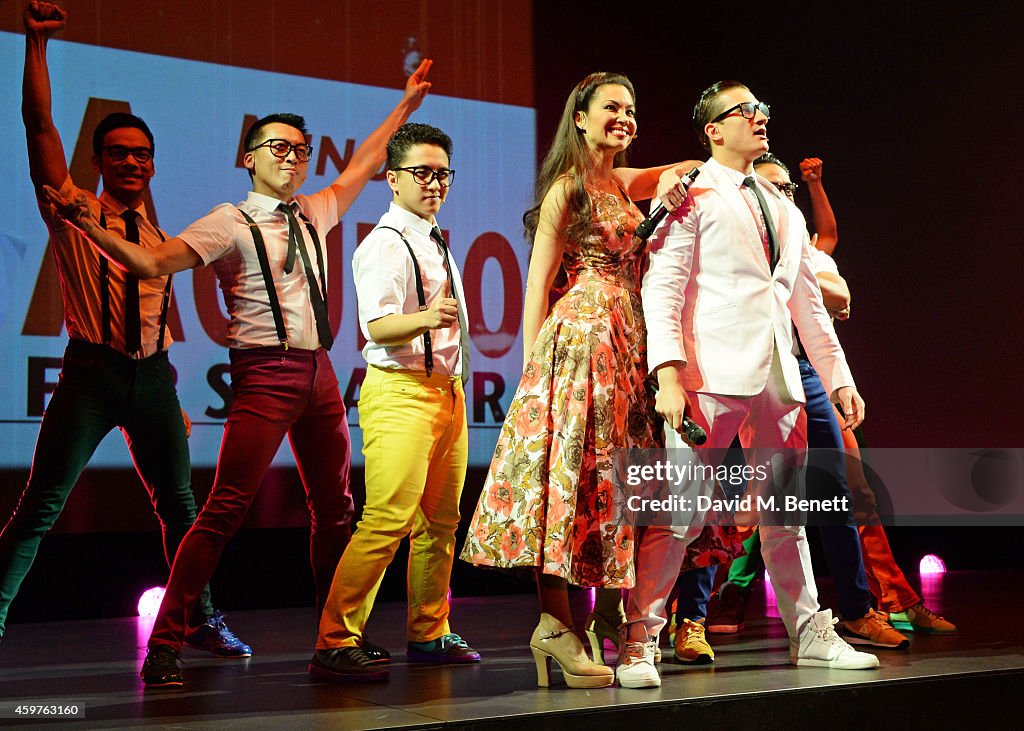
point(268, 254)
point(115, 371)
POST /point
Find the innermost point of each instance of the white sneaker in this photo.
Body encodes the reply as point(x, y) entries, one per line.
point(636, 665)
point(821, 647)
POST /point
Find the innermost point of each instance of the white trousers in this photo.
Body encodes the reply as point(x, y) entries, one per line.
point(765, 423)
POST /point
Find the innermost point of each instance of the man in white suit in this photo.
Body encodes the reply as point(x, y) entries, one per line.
point(728, 277)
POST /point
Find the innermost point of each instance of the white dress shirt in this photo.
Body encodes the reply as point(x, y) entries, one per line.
point(386, 285)
point(223, 238)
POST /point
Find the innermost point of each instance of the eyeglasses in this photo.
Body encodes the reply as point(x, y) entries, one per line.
point(425, 175)
point(117, 153)
point(281, 148)
point(786, 188)
point(747, 109)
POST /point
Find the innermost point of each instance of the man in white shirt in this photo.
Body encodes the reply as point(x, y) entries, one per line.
point(268, 256)
point(728, 278)
point(412, 410)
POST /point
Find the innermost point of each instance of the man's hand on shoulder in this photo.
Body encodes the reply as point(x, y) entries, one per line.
point(44, 19)
point(75, 211)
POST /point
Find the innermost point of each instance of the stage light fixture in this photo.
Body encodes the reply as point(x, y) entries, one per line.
point(149, 602)
point(932, 565)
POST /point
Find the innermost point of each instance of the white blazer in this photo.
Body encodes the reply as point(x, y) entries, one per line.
point(711, 300)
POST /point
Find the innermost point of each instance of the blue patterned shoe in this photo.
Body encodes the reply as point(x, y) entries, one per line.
point(448, 649)
point(215, 637)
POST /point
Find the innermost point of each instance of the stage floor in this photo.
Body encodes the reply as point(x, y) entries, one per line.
point(941, 682)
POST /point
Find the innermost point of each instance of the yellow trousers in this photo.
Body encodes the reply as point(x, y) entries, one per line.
point(415, 445)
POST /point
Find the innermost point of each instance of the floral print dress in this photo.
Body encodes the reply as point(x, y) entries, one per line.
point(549, 500)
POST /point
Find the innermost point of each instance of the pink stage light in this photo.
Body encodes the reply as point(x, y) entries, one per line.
point(771, 607)
point(932, 565)
point(149, 602)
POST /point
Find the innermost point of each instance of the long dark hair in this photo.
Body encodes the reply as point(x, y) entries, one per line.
point(570, 157)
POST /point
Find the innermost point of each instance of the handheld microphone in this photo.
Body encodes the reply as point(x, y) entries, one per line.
point(647, 226)
point(693, 431)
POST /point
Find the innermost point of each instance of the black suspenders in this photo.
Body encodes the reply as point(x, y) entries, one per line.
point(428, 355)
point(105, 295)
point(268, 277)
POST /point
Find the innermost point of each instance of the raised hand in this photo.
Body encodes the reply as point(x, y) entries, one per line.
point(44, 19)
point(417, 86)
point(810, 169)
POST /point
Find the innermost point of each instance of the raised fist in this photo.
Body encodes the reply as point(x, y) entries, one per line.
point(44, 19)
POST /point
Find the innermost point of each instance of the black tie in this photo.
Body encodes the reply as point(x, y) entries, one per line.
point(317, 293)
point(132, 320)
point(773, 241)
point(438, 237)
point(294, 237)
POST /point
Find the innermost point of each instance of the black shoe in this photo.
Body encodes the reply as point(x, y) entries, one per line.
point(161, 667)
point(377, 655)
point(346, 663)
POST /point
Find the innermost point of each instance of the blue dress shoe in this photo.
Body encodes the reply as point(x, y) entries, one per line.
point(215, 637)
point(449, 649)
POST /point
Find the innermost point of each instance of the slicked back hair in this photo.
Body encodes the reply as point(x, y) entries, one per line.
point(708, 107)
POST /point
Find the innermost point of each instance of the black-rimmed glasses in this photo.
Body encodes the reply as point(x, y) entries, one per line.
point(117, 153)
point(747, 109)
point(787, 188)
point(281, 148)
point(425, 175)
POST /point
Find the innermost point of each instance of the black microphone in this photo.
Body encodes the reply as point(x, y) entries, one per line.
point(647, 226)
point(693, 431)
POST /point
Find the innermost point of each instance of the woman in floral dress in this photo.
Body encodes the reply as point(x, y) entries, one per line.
point(549, 502)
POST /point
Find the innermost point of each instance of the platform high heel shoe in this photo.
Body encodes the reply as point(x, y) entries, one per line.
point(552, 639)
point(599, 629)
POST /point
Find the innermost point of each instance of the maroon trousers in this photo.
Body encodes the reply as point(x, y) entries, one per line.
point(276, 392)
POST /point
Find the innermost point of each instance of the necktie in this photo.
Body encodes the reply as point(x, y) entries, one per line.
point(132, 320)
point(294, 237)
point(436, 235)
point(772, 252)
point(317, 293)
